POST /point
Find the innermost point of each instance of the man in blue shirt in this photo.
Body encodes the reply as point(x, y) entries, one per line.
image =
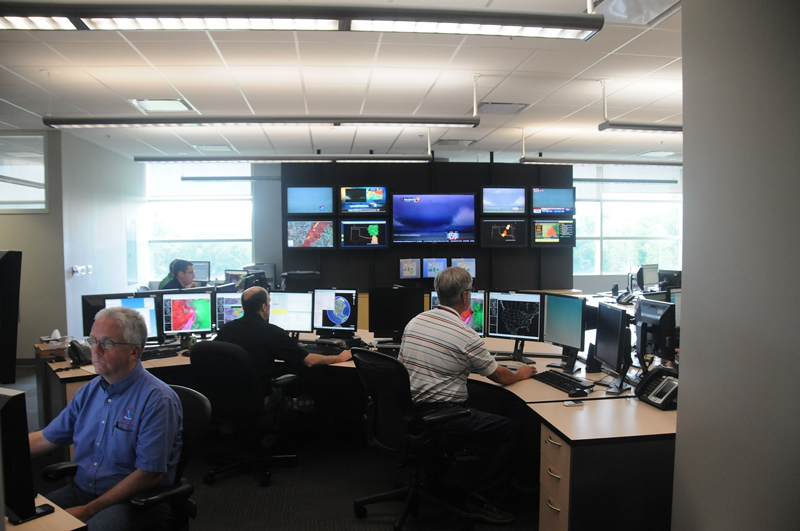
point(125, 426)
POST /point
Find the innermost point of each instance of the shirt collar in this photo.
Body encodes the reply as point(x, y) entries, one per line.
point(450, 310)
point(121, 385)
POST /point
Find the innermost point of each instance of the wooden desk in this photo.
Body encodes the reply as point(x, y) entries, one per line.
point(55, 388)
point(59, 520)
point(605, 465)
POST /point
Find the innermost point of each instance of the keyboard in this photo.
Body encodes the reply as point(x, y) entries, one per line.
point(319, 348)
point(156, 354)
point(561, 380)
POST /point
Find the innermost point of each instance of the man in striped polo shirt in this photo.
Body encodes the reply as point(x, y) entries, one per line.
point(440, 352)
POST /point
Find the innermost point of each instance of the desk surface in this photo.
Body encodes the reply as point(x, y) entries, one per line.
point(59, 520)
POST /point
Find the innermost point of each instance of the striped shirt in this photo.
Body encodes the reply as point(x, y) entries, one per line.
point(440, 351)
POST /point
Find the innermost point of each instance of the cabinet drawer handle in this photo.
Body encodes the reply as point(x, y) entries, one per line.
point(555, 476)
point(556, 509)
point(551, 441)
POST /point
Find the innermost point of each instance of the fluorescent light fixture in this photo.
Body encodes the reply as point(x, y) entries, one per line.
point(453, 142)
point(598, 162)
point(162, 105)
point(639, 127)
point(88, 122)
point(287, 158)
point(213, 148)
point(291, 17)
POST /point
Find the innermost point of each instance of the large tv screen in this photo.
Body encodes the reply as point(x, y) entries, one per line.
point(504, 201)
point(433, 218)
point(356, 199)
point(309, 200)
point(309, 234)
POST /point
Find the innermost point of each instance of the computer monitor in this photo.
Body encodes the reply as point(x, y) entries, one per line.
point(474, 316)
point(433, 266)
point(10, 277)
point(669, 278)
point(504, 233)
point(145, 303)
point(647, 276)
point(662, 296)
point(20, 495)
point(202, 270)
point(292, 311)
point(91, 304)
point(515, 316)
point(186, 312)
point(409, 268)
point(229, 307)
point(256, 278)
point(503, 201)
point(554, 233)
point(309, 200)
point(675, 298)
point(391, 308)
point(655, 331)
point(362, 234)
point(309, 234)
point(470, 264)
point(335, 312)
point(268, 268)
point(367, 199)
point(553, 201)
point(565, 326)
point(236, 276)
point(613, 345)
point(433, 218)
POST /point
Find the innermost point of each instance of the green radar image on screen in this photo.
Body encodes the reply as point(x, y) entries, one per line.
point(341, 311)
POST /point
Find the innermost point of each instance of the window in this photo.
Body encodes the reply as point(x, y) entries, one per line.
point(199, 220)
point(627, 216)
point(22, 175)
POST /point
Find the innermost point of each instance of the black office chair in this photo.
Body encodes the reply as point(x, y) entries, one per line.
point(392, 425)
point(225, 373)
point(196, 420)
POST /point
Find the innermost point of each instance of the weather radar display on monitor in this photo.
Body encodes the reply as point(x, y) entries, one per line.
point(465, 263)
point(433, 218)
point(554, 232)
point(433, 266)
point(187, 312)
point(309, 234)
point(356, 199)
point(409, 268)
point(363, 234)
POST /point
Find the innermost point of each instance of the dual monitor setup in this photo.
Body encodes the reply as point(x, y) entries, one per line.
point(371, 219)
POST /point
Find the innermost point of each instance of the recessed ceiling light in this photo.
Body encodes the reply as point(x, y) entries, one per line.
point(660, 154)
point(490, 107)
point(162, 105)
point(453, 142)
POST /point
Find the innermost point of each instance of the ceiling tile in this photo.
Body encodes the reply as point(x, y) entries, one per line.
point(99, 53)
point(627, 65)
point(180, 53)
point(29, 54)
point(347, 54)
point(561, 62)
point(258, 53)
point(655, 42)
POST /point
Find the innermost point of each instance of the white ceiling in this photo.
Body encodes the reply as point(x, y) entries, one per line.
point(95, 73)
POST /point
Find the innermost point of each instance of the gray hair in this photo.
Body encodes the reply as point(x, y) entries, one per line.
point(450, 284)
point(134, 329)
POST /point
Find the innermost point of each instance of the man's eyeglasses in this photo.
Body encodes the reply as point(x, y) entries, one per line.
point(107, 344)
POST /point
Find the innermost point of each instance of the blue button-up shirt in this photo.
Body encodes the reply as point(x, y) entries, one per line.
point(134, 423)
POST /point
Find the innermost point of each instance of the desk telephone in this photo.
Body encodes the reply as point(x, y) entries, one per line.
point(625, 298)
point(659, 388)
point(79, 354)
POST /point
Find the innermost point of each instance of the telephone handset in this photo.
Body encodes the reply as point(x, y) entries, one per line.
point(625, 298)
point(79, 354)
point(659, 388)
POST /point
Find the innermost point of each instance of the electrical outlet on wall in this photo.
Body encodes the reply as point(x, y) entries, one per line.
point(89, 269)
point(76, 271)
point(83, 270)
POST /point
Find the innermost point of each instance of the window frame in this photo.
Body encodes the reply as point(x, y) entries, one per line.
point(46, 174)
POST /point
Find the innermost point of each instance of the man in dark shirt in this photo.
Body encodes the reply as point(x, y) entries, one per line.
point(182, 273)
point(266, 342)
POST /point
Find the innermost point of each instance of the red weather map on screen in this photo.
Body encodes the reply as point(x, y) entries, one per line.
point(183, 315)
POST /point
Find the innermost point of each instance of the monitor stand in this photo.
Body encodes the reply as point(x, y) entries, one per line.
point(517, 355)
point(569, 356)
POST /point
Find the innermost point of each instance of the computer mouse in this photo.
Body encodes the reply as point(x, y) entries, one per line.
point(578, 393)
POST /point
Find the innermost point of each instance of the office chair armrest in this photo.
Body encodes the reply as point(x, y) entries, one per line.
point(162, 493)
point(56, 471)
point(283, 381)
point(443, 415)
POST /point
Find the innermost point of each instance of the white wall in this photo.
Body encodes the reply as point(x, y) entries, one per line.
point(101, 190)
point(737, 464)
point(267, 228)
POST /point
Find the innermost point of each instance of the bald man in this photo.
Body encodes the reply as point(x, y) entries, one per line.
point(266, 342)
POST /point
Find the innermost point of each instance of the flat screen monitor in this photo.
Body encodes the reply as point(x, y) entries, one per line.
point(647, 276)
point(474, 316)
point(662, 296)
point(391, 308)
point(515, 316)
point(292, 311)
point(10, 277)
point(669, 278)
point(655, 330)
point(309, 200)
point(557, 201)
point(335, 312)
point(236, 277)
point(91, 304)
point(433, 266)
point(613, 344)
point(18, 489)
point(256, 278)
point(565, 326)
point(229, 308)
point(409, 268)
point(202, 270)
point(503, 201)
point(186, 313)
point(675, 298)
point(504, 233)
point(355, 199)
point(362, 234)
point(554, 232)
point(145, 304)
point(309, 234)
point(433, 218)
point(470, 264)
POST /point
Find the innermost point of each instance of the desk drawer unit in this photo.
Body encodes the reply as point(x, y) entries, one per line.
point(554, 479)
